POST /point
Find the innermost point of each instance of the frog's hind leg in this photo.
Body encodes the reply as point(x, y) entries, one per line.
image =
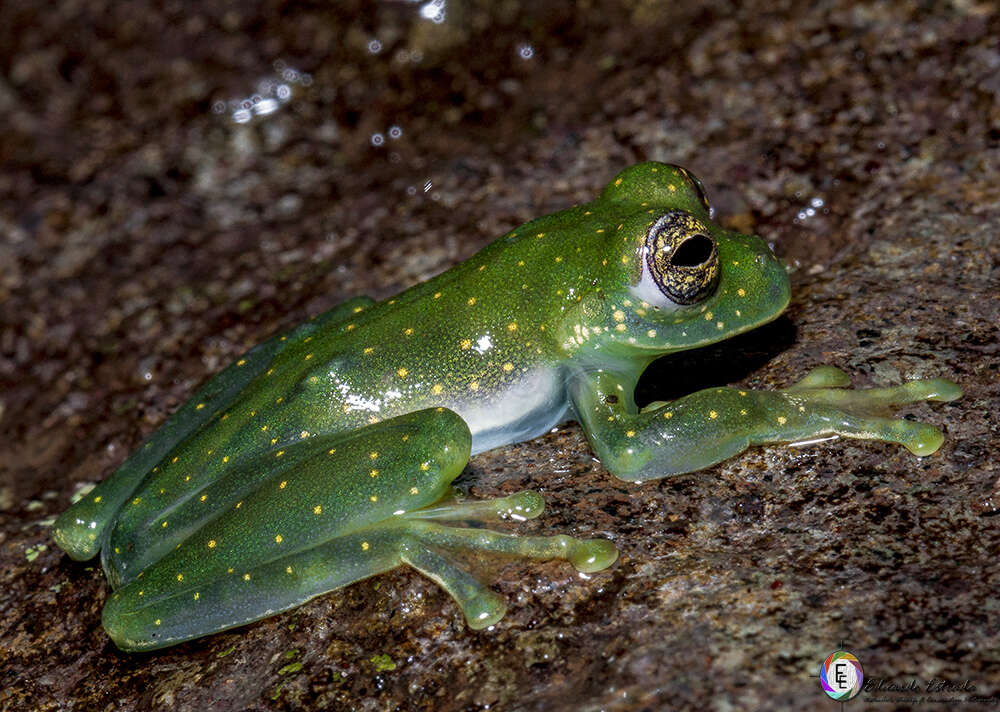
point(80, 529)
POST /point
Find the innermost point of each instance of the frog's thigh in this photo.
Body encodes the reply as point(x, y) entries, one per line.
point(79, 529)
point(242, 597)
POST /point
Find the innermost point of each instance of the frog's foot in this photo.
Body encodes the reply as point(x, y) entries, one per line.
point(482, 608)
point(864, 413)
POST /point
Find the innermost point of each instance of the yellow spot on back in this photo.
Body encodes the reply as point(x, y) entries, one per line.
point(402, 372)
point(246, 577)
point(471, 301)
point(742, 292)
point(508, 367)
point(708, 316)
point(318, 509)
point(512, 326)
point(466, 344)
point(373, 498)
point(620, 327)
point(782, 420)
point(187, 478)
point(284, 483)
point(408, 331)
point(618, 182)
point(180, 577)
point(474, 386)
point(197, 595)
point(619, 315)
point(624, 259)
point(164, 525)
point(364, 546)
point(137, 500)
point(349, 327)
point(225, 458)
point(437, 389)
point(241, 362)
point(308, 356)
point(175, 459)
point(600, 229)
point(425, 466)
point(288, 569)
point(156, 622)
point(203, 497)
point(651, 333)
point(279, 453)
point(373, 474)
point(373, 454)
point(278, 538)
point(303, 435)
point(211, 543)
point(668, 415)
point(414, 490)
point(713, 414)
point(263, 428)
point(199, 406)
point(558, 258)
point(368, 349)
point(437, 295)
point(630, 434)
point(520, 263)
point(331, 451)
point(358, 309)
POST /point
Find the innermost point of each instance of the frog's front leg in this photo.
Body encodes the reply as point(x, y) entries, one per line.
point(714, 424)
point(349, 506)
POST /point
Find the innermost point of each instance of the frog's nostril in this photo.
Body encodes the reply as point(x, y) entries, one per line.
point(695, 250)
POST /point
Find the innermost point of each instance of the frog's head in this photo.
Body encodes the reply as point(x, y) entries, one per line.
point(680, 280)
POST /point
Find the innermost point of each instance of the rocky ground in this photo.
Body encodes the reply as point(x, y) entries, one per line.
point(152, 228)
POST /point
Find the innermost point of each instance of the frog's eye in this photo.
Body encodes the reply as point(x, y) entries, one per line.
point(682, 257)
point(696, 187)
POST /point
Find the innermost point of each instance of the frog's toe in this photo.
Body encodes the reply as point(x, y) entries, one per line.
point(589, 555)
point(823, 377)
point(921, 439)
point(934, 389)
point(484, 609)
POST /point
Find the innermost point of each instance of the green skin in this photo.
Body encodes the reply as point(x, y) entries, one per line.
point(322, 456)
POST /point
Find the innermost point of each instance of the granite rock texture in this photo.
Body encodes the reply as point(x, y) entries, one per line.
point(147, 238)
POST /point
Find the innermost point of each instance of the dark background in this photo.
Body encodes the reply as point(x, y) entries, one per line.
point(147, 237)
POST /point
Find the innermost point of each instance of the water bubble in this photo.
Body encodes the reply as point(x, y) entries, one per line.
point(525, 51)
point(283, 92)
point(219, 107)
point(395, 132)
point(242, 116)
point(374, 46)
point(266, 106)
point(377, 139)
point(434, 11)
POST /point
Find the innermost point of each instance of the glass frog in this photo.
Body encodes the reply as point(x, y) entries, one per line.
point(325, 455)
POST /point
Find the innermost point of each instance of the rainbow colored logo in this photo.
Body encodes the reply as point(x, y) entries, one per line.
point(842, 676)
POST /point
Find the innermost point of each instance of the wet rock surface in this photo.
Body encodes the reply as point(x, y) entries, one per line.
point(147, 237)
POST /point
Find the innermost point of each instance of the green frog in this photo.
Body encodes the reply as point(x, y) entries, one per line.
point(325, 455)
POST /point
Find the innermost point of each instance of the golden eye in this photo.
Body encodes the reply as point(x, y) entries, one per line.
point(682, 257)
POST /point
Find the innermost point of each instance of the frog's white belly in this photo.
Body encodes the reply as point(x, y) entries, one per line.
point(531, 406)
